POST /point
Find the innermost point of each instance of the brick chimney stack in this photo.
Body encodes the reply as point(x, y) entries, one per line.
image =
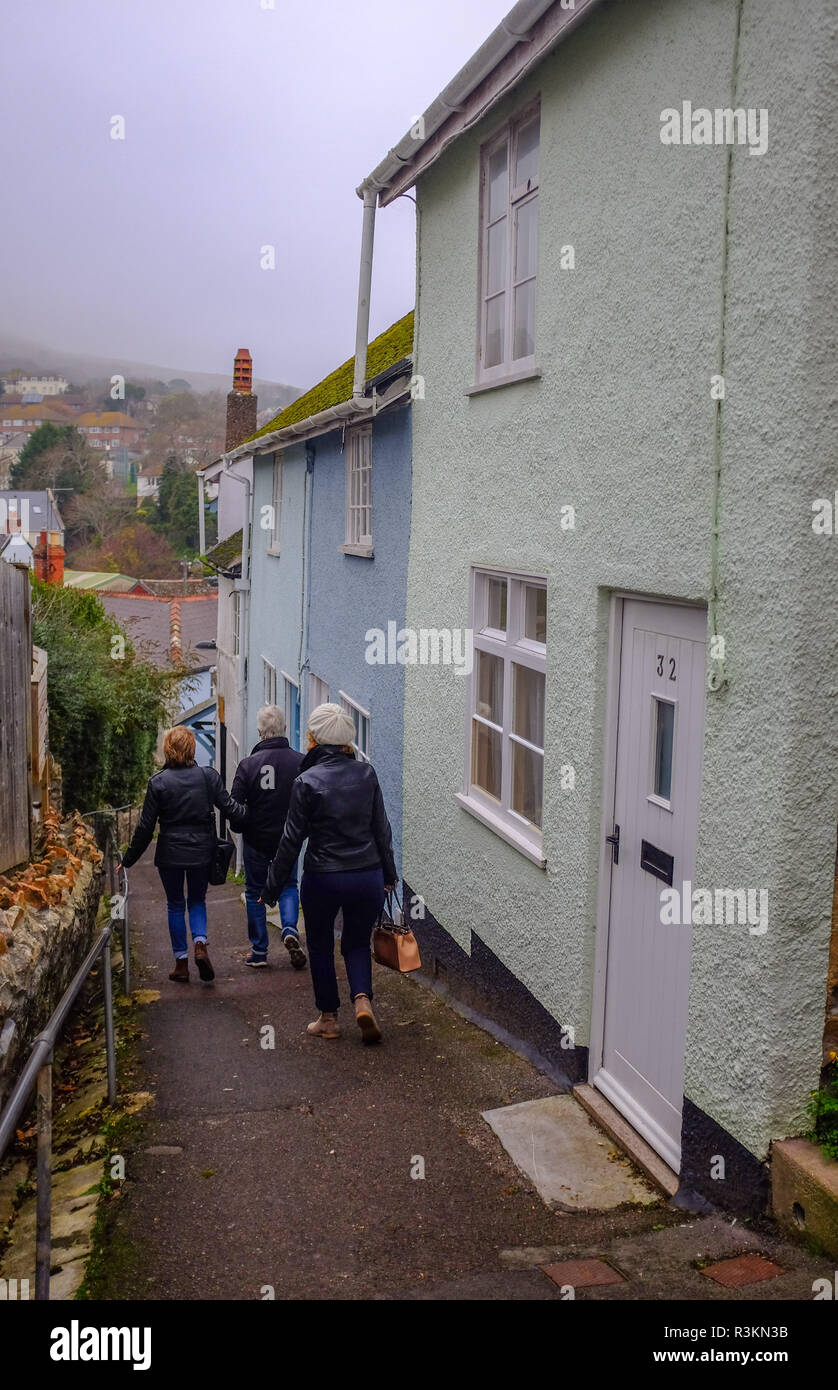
point(242, 405)
point(48, 560)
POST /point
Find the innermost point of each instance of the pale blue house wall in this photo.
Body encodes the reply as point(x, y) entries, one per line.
point(346, 594)
point(351, 594)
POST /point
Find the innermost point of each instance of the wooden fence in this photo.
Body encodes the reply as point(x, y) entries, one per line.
point(15, 714)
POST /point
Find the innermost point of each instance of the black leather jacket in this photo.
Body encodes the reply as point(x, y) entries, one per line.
point(336, 801)
point(181, 799)
point(267, 806)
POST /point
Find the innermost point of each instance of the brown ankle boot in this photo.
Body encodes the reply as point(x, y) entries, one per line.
point(365, 1019)
point(326, 1026)
point(180, 974)
point(203, 961)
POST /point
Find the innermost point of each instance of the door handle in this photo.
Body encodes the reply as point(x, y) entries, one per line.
point(614, 842)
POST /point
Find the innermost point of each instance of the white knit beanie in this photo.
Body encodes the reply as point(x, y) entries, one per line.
point(331, 724)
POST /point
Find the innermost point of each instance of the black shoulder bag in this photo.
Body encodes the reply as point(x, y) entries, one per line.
point(222, 850)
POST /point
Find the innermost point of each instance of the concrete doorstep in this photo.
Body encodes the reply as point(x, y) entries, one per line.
point(571, 1163)
point(642, 1154)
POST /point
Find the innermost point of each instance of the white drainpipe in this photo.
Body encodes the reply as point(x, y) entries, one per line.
point(202, 521)
point(362, 333)
point(242, 586)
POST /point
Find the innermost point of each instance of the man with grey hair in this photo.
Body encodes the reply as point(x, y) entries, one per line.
point(263, 784)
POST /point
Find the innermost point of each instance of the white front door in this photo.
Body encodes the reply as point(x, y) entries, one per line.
point(660, 730)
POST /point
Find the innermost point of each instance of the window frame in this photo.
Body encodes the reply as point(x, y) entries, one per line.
point(358, 542)
point(510, 368)
point(352, 708)
point(514, 648)
point(276, 504)
point(657, 699)
point(316, 685)
point(269, 682)
point(235, 634)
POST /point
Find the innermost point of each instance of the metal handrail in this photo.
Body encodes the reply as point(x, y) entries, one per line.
point(112, 851)
point(37, 1073)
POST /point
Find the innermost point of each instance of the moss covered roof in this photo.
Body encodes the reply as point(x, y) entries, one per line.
point(384, 352)
point(227, 552)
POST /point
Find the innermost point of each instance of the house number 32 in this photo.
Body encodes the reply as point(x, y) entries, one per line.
point(672, 667)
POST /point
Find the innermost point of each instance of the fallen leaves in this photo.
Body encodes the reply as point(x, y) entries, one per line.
point(137, 1101)
point(145, 996)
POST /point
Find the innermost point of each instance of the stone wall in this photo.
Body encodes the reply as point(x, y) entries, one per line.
point(47, 919)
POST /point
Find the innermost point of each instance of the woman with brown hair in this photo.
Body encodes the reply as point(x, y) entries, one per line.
point(183, 797)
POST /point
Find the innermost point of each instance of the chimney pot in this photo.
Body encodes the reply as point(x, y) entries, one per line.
point(243, 372)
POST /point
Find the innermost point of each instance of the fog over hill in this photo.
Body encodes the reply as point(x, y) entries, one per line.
point(81, 368)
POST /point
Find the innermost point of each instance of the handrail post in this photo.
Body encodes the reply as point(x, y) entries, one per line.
point(110, 849)
point(43, 1228)
point(109, 1037)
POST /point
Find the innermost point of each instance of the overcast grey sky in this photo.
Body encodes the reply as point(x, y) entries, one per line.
point(244, 127)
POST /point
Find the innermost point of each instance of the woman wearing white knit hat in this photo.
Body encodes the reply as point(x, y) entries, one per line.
point(336, 803)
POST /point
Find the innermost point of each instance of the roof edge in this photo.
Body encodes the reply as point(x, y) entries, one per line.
point(325, 421)
point(534, 26)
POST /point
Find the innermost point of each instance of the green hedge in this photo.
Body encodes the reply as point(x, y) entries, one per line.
point(105, 705)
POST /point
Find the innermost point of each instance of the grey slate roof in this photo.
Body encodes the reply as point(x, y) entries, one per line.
point(43, 511)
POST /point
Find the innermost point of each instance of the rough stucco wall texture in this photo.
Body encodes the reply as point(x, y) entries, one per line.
point(622, 426)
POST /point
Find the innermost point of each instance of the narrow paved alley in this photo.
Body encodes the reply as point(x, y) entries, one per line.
point(289, 1169)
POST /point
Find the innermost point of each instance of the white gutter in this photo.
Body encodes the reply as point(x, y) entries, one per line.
point(512, 30)
point(362, 331)
point(242, 586)
point(322, 422)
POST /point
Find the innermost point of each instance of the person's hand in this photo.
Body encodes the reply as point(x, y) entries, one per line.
point(389, 888)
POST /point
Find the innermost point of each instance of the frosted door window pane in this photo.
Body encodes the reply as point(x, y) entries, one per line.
point(664, 735)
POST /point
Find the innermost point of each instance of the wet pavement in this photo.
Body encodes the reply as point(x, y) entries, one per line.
point(286, 1171)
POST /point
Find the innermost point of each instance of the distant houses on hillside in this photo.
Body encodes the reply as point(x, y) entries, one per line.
point(22, 382)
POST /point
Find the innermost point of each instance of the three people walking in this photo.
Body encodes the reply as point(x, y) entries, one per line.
point(183, 797)
point(336, 804)
point(279, 800)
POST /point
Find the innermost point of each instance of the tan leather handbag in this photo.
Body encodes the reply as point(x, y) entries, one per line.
point(393, 945)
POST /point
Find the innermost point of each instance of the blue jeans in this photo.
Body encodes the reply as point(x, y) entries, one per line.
point(256, 867)
point(197, 879)
point(360, 892)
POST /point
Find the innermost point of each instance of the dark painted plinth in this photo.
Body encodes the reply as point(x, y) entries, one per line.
point(745, 1187)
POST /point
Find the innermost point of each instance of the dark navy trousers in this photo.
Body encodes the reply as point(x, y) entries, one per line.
point(360, 893)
